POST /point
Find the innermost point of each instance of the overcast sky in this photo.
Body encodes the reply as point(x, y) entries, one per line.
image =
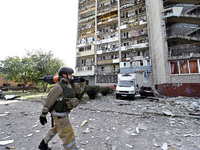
point(39, 24)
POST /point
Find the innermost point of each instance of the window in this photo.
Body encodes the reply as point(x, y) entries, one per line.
point(185, 67)
point(103, 58)
point(88, 48)
point(141, 63)
point(126, 14)
point(84, 61)
point(90, 39)
point(6, 84)
point(81, 49)
point(114, 68)
point(193, 66)
point(174, 68)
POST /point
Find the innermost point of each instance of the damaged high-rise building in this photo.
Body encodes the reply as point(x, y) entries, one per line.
point(159, 40)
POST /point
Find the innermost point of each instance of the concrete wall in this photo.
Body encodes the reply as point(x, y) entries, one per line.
point(157, 41)
point(185, 78)
point(146, 82)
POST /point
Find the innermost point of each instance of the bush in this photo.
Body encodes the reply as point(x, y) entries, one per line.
point(92, 91)
point(105, 90)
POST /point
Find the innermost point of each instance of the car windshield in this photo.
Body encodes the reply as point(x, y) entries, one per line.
point(125, 83)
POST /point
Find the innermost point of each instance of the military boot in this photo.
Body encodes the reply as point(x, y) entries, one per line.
point(43, 146)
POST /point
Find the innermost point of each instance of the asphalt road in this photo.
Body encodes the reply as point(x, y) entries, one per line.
point(111, 125)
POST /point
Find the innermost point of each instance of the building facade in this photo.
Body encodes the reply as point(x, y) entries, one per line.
point(174, 43)
point(130, 36)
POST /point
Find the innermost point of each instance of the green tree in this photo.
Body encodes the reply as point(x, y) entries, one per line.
point(18, 70)
point(44, 64)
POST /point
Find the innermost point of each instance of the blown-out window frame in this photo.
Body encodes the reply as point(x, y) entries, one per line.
point(185, 67)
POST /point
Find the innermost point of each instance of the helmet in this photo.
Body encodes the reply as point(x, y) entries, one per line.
point(65, 70)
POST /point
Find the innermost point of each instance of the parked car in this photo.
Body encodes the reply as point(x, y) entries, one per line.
point(1, 93)
point(146, 91)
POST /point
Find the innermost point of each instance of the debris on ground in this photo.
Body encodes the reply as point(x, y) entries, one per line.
point(108, 123)
point(10, 97)
point(6, 142)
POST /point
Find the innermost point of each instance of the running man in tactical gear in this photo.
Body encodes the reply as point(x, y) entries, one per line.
point(60, 100)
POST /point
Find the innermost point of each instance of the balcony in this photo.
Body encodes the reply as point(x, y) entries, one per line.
point(134, 26)
point(116, 60)
point(138, 69)
point(126, 59)
point(136, 46)
point(135, 36)
point(102, 62)
point(87, 9)
point(107, 31)
point(85, 53)
point(85, 71)
point(107, 11)
point(114, 39)
point(108, 61)
point(173, 11)
point(182, 13)
point(125, 64)
point(126, 4)
point(86, 19)
point(86, 35)
point(184, 51)
point(138, 58)
point(87, 28)
point(107, 72)
point(109, 50)
point(111, 20)
point(87, 14)
point(132, 16)
point(182, 1)
point(108, 7)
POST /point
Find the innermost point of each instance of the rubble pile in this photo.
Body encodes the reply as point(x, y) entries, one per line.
point(107, 123)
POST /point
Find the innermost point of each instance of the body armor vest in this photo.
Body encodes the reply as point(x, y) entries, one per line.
point(60, 104)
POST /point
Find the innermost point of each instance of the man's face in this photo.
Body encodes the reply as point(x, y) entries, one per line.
point(69, 76)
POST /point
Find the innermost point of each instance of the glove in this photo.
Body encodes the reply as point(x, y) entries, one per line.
point(82, 79)
point(43, 120)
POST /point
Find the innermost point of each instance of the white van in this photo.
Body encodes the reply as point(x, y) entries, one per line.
point(126, 86)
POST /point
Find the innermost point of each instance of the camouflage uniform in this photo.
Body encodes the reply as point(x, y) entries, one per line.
point(60, 100)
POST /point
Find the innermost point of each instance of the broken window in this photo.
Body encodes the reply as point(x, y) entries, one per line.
point(184, 67)
point(174, 68)
point(193, 66)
